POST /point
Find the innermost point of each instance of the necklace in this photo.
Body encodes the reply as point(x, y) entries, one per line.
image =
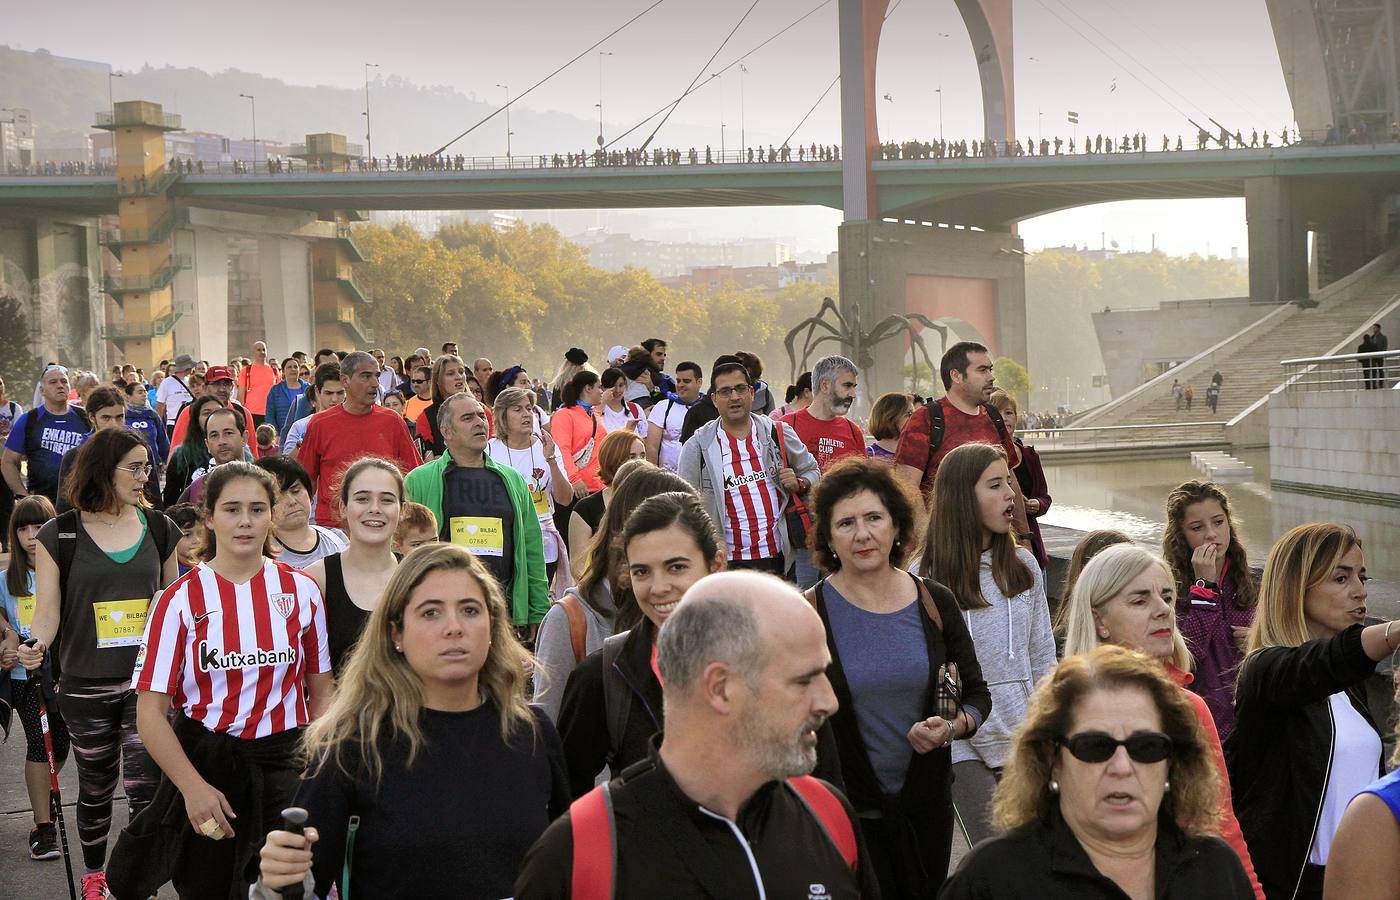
point(112, 524)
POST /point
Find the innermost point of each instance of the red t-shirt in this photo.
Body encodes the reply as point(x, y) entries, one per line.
point(958, 428)
point(336, 438)
point(827, 441)
point(253, 384)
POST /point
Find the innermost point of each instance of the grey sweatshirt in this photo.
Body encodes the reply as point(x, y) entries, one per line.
point(555, 651)
point(1016, 648)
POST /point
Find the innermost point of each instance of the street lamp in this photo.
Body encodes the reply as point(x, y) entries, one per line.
point(743, 137)
point(601, 54)
point(369, 144)
point(720, 76)
point(939, 91)
point(253, 101)
point(506, 88)
point(111, 104)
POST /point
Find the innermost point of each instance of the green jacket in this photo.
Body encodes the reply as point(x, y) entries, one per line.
point(528, 595)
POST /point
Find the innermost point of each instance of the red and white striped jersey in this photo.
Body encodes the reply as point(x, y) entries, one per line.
point(235, 656)
point(752, 504)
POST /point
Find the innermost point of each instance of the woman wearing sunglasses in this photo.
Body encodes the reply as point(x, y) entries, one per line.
point(1110, 791)
point(1125, 596)
point(1304, 742)
point(889, 634)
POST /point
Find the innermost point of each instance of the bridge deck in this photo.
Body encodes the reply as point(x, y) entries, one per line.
point(983, 191)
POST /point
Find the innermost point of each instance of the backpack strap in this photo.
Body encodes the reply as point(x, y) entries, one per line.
point(578, 625)
point(617, 702)
point(997, 420)
point(827, 808)
point(795, 503)
point(68, 525)
point(160, 529)
point(594, 830)
point(936, 427)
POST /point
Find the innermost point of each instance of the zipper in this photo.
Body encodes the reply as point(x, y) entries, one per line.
point(748, 852)
point(1322, 798)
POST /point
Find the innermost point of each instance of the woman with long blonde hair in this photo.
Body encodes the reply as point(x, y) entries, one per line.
point(430, 711)
point(1304, 741)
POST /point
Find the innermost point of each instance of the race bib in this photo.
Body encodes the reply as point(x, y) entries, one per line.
point(481, 535)
point(120, 623)
point(540, 499)
point(27, 604)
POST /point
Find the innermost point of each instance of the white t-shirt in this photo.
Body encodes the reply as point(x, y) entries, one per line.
point(669, 416)
point(618, 421)
point(296, 434)
point(328, 541)
point(533, 466)
point(9, 412)
point(174, 395)
point(1356, 761)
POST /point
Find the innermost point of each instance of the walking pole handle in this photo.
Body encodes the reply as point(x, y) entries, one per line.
point(294, 820)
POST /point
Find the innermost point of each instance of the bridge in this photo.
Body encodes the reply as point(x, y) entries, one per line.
point(892, 260)
point(987, 193)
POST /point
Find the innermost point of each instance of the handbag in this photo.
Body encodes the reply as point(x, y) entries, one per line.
point(947, 683)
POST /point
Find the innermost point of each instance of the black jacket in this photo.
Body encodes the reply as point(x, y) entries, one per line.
point(926, 785)
point(1044, 861)
point(666, 846)
point(1280, 752)
point(583, 715)
point(701, 413)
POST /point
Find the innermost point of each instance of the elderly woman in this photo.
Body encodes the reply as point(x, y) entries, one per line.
point(892, 637)
point(1304, 741)
point(1125, 596)
point(1110, 792)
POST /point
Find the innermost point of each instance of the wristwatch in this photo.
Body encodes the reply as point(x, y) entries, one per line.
point(1208, 585)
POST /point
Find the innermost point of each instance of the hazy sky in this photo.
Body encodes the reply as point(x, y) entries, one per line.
point(1216, 57)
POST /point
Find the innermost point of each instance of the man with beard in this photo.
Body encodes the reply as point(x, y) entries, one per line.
point(828, 435)
point(723, 807)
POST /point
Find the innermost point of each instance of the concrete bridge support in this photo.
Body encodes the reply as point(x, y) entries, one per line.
point(1278, 240)
point(51, 264)
point(972, 282)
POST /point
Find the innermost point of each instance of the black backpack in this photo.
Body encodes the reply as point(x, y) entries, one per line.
point(936, 425)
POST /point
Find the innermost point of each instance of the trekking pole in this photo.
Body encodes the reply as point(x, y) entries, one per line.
point(294, 820)
point(55, 798)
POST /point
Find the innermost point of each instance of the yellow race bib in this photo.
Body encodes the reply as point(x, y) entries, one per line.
point(481, 535)
point(120, 623)
point(27, 604)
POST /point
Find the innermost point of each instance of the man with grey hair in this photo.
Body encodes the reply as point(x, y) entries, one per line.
point(355, 429)
point(485, 507)
point(723, 807)
point(828, 435)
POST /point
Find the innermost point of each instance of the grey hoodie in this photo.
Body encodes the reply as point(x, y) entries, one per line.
point(554, 648)
point(1016, 648)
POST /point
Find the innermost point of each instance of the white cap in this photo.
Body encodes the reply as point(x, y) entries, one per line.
point(617, 354)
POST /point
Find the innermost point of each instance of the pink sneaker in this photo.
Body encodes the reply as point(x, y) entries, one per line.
point(94, 886)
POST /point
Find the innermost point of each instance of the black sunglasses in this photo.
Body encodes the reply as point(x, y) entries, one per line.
point(1097, 747)
point(419, 380)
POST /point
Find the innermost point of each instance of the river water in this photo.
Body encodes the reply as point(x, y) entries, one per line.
point(1130, 496)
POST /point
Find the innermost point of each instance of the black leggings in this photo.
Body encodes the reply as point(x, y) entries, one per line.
point(25, 697)
point(910, 857)
point(101, 719)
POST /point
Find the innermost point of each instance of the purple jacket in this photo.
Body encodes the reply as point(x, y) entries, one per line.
point(1205, 620)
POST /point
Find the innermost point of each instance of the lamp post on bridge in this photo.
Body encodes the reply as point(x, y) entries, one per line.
point(369, 143)
point(111, 105)
point(506, 88)
point(601, 54)
point(743, 135)
point(253, 101)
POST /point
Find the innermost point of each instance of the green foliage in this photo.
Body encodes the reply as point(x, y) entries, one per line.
point(1011, 377)
point(17, 365)
point(526, 294)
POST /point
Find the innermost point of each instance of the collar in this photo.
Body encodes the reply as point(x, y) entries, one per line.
point(1180, 676)
point(1067, 855)
point(588, 408)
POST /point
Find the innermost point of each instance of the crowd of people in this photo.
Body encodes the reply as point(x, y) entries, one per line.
point(640, 630)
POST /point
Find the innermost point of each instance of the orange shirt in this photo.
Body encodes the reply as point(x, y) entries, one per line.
point(253, 384)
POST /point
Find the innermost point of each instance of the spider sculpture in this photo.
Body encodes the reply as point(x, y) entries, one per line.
point(846, 331)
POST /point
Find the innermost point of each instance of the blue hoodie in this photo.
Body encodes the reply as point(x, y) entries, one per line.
point(144, 420)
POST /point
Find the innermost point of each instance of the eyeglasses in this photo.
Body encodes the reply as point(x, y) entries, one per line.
point(1097, 747)
point(418, 380)
point(738, 390)
point(140, 470)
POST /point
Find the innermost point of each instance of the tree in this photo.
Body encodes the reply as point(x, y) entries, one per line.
point(1012, 377)
point(17, 364)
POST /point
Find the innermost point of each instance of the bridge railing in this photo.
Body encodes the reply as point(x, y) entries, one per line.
point(1087, 437)
point(1343, 372)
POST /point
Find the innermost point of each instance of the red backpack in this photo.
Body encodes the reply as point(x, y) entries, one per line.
point(594, 832)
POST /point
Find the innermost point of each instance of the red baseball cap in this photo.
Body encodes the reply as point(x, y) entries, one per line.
point(217, 373)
